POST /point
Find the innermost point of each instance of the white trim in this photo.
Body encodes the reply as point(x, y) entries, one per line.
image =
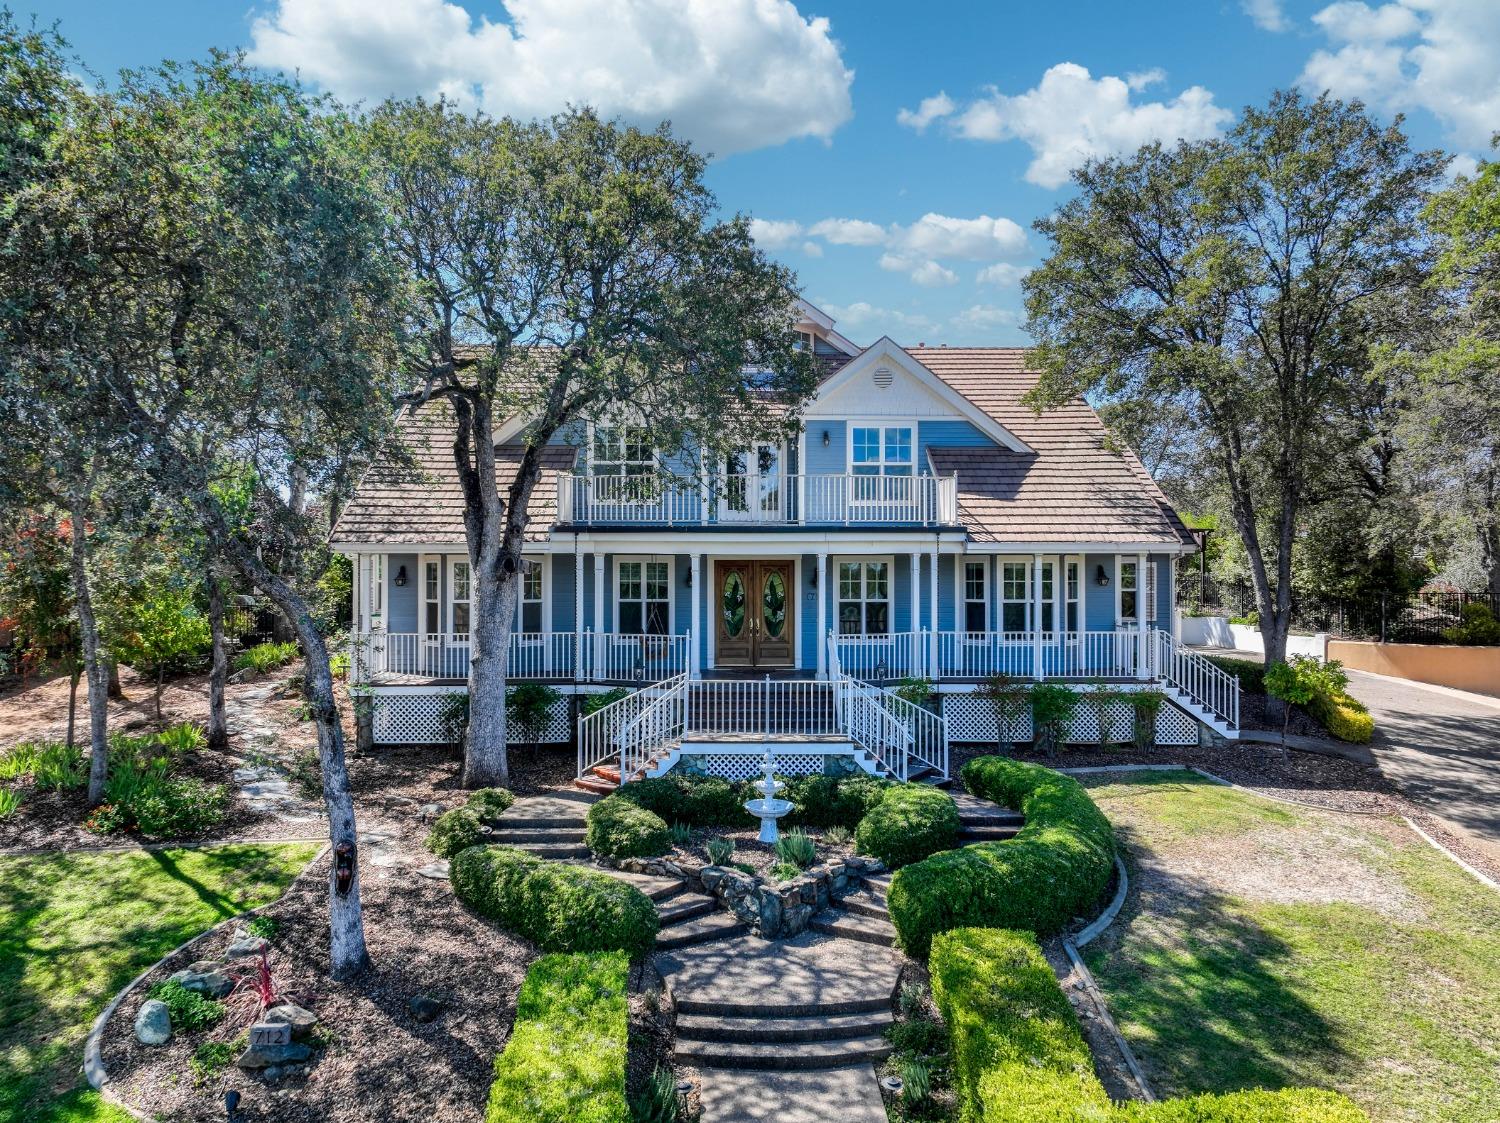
point(821, 644)
point(454, 561)
point(614, 587)
point(890, 590)
point(1024, 561)
point(882, 424)
point(961, 593)
point(794, 598)
point(544, 563)
point(885, 348)
point(809, 313)
point(423, 561)
point(1119, 584)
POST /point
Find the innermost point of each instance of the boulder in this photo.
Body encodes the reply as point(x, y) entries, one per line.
point(153, 1024)
point(289, 1013)
point(425, 1008)
point(264, 1056)
point(243, 949)
point(210, 984)
point(205, 966)
point(711, 876)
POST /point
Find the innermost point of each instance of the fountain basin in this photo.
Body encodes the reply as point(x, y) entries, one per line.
point(768, 811)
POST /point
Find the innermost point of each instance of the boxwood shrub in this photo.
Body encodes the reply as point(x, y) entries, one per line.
point(1019, 1057)
point(618, 828)
point(819, 800)
point(1252, 675)
point(699, 801)
point(565, 1059)
point(489, 804)
point(558, 907)
point(911, 822)
point(1053, 870)
point(454, 831)
point(1344, 717)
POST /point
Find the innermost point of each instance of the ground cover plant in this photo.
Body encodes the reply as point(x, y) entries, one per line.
point(143, 793)
point(565, 1060)
point(75, 928)
point(265, 657)
point(1272, 945)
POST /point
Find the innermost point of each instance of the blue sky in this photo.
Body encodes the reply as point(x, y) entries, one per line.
point(895, 155)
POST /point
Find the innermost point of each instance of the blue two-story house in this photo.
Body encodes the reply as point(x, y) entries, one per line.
point(925, 523)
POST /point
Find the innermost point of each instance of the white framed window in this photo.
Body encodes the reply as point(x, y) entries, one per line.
point(881, 450)
point(976, 596)
point(621, 450)
point(1049, 595)
point(804, 341)
point(1127, 589)
point(864, 596)
point(432, 596)
point(531, 609)
point(460, 598)
point(643, 596)
point(1015, 596)
point(1072, 588)
point(377, 584)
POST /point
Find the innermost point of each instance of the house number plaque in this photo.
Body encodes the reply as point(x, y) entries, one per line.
point(271, 1033)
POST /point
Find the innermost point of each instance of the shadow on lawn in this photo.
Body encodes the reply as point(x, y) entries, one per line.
point(1205, 993)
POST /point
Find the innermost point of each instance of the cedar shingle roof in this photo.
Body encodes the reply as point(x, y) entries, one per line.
point(1073, 489)
point(399, 506)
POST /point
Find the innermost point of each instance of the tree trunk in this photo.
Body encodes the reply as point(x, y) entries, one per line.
point(114, 689)
point(161, 682)
point(73, 677)
point(94, 657)
point(218, 674)
point(486, 756)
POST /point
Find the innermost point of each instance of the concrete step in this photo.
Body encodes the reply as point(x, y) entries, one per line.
point(658, 889)
point(807, 975)
point(700, 930)
point(986, 834)
point(552, 849)
point(783, 1055)
point(813, 1027)
point(865, 902)
point(509, 822)
point(880, 882)
point(848, 1095)
point(684, 908)
point(852, 926)
point(516, 835)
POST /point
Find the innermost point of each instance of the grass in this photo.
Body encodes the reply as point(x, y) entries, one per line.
point(1280, 946)
point(75, 928)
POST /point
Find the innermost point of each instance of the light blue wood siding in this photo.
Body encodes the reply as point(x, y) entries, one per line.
point(401, 608)
point(830, 461)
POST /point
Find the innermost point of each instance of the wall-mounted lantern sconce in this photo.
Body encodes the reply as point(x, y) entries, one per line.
point(400, 576)
point(1100, 577)
point(826, 438)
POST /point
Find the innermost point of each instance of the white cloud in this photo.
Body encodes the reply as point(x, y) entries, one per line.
point(1463, 165)
point(1070, 117)
point(1442, 56)
point(731, 74)
point(986, 316)
point(931, 275)
point(862, 314)
point(849, 232)
point(1266, 14)
point(774, 234)
point(812, 249)
point(971, 239)
point(927, 111)
point(1002, 273)
point(1144, 79)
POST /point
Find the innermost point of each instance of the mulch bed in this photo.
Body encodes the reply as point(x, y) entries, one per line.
point(751, 851)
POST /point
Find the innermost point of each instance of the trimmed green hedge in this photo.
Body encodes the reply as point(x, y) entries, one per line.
point(911, 822)
point(1053, 870)
point(489, 804)
point(455, 831)
point(565, 1060)
point(558, 907)
point(1252, 675)
point(618, 828)
point(820, 800)
point(1019, 1056)
point(698, 801)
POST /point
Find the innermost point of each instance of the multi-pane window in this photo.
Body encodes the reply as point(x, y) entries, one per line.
point(1015, 596)
point(1070, 594)
point(622, 450)
point(864, 598)
point(644, 588)
point(976, 598)
point(432, 606)
point(1129, 576)
point(881, 450)
point(1049, 593)
point(531, 598)
point(462, 598)
point(804, 341)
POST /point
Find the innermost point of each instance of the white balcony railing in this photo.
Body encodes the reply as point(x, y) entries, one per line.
point(823, 500)
point(604, 657)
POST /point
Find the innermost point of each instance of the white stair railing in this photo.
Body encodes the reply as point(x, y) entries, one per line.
point(661, 720)
point(1213, 689)
point(598, 732)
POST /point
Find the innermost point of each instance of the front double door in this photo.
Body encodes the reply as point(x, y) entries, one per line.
point(755, 605)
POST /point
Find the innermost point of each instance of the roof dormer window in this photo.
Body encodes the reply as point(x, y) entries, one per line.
point(805, 340)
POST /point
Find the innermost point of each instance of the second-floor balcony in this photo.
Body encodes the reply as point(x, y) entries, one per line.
point(780, 500)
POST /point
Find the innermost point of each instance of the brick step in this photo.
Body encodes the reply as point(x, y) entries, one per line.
point(783, 1055)
point(865, 902)
point(700, 930)
point(810, 1027)
point(595, 784)
point(685, 907)
point(852, 926)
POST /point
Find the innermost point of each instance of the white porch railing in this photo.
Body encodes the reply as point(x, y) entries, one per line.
point(972, 655)
point(1190, 672)
point(843, 500)
point(590, 657)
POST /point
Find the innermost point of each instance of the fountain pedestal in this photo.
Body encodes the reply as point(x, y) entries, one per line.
point(768, 808)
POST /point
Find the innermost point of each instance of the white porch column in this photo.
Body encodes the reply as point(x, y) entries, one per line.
point(1036, 616)
point(361, 592)
point(916, 654)
point(932, 612)
point(1142, 671)
point(600, 641)
point(821, 578)
point(578, 654)
point(695, 597)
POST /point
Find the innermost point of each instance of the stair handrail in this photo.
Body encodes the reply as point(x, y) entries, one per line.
point(597, 731)
point(661, 719)
point(1211, 687)
point(866, 721)
point(928, 732)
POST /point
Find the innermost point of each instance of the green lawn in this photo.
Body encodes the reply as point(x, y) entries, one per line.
point(1267, 945)
point(74, 928)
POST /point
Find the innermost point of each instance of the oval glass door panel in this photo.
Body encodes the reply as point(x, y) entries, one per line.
point(732, 604)
point(773, 606)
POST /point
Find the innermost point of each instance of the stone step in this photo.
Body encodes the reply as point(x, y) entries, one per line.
point(865, 902)
point(659, 889)
point(848, 1095)
point(783, 1055)
point(986, 834)
point(700, 930)
point(880, 882)
point(806, 975)
point(812, 1027)
point(516, 835)
point(998, 817)
point(852, 926)
point(685, 907)
point(508, 822)
point(555, 850)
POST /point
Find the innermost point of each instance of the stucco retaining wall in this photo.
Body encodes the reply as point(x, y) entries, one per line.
point(1441, 664)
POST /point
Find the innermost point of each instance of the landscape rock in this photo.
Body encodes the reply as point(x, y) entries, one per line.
point(205, 966)
point(242, 949)
point(425, 1008)
point(289, 1013)
point(430, 811)
point(210, 984)
point(264, 1056)
point(153, 1024)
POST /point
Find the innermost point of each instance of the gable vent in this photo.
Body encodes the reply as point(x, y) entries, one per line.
point(884, 377)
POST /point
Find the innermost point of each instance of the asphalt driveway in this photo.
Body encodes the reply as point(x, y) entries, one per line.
point(1441, 747)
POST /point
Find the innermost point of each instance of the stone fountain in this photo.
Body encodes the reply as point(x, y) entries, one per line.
point(768, 808)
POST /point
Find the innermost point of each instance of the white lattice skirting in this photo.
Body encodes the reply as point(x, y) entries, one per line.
point(972, 719)
point(749, 766)
point(412, 719)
